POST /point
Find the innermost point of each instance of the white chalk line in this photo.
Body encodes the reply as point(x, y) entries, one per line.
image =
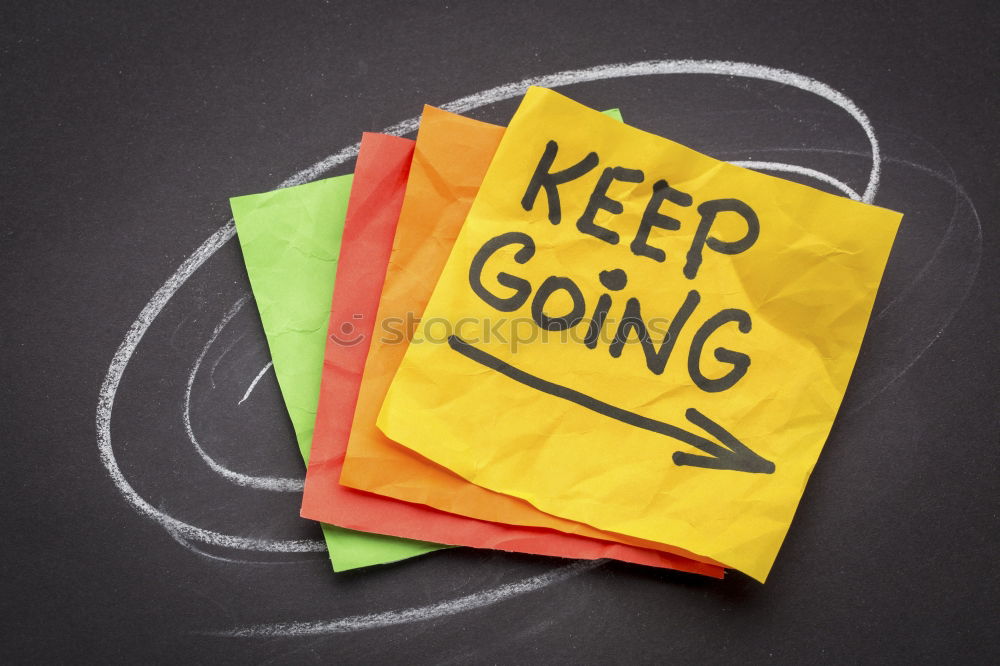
point(187, 545)
point(198, 551)
point(804, 171)
point(971, 275)
point(409, 615)
point(253, 384)
point(105, 406)
point(162, 296)
point(274, 484)
point(218, 359)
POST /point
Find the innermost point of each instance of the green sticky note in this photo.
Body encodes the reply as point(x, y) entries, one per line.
point(291, 240)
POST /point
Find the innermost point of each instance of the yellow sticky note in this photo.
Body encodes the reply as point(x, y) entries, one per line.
point(639, 337)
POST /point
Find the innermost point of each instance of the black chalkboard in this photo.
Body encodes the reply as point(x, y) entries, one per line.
point(126, 126)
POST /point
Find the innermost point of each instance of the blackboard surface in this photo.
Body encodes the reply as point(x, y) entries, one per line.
point(127, 126)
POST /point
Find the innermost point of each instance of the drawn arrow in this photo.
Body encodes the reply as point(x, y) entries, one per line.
point(728, 454)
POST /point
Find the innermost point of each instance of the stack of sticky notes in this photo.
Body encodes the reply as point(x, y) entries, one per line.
point(569, 337)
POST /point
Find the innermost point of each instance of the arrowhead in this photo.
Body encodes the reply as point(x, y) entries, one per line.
point(731, 455)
